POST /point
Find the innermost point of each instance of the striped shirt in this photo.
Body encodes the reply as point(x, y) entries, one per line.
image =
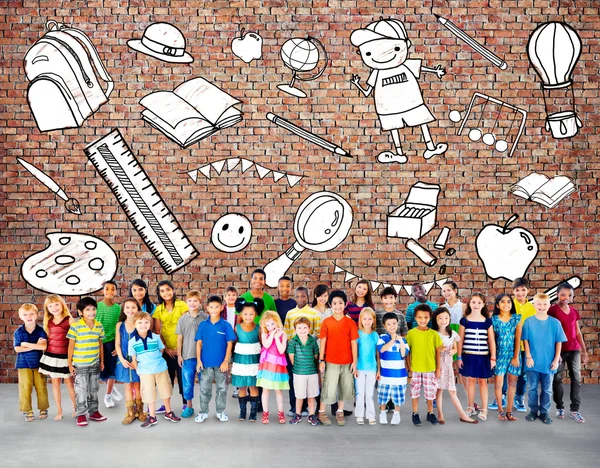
point(393, 370)
point(148, 352)
point(108, 316)
point(87, 342)
point(311, 314)
point(304, 355)
point(476, 336)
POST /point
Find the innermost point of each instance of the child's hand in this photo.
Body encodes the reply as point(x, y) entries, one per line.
point(42, 341)
point(460, 363)
point(114, 353)
point(439, 71)
point(584, 358)
point(224, 366)
point(515, 362)
point(180, 360)
point(438, 374)
point(199, 367)
point(378, 375)
point(492, 363)
point(322, 367)
point(126, 364)
point(529, 362)
point(101, 366)
point(72, 370)
point(354, 370)
point(554, 365)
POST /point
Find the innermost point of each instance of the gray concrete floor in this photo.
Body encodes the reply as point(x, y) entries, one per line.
point(242, 444)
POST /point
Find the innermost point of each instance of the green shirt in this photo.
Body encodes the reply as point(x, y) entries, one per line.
point(304, 355)
point(423, 346)
point(108, 316)
point(267, 299)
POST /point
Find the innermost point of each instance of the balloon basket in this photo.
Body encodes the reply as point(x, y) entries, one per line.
point(563, 124)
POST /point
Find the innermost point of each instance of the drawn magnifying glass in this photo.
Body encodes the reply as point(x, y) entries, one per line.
point(322, 223)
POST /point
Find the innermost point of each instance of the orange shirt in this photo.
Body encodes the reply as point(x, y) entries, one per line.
point(340, 334)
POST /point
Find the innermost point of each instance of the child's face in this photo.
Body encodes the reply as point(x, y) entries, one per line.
point(443, 320)
point(230, 298)
point(476, 304)
point(367, 321)
point(391, 326)
point(521, 293)
point(383, 54)
point(142, 326)
point(257, 282)
point(166, 292)
point(193, 303)
point(422, 318)
point(213, 309)
point(301, 298)
point(302, 330)
point(322, 299)
point(55, 308)
point(389, 301)
point(448, 292)
point(284, 288)
point(130, 309)
point(541, 305)
point(565, 297)
point(89, 312)
point(28, 317)
point(361, 290)
point(109, 291)
point(338, 305)
point(270, 325)
point(418, 292)
point(248, 314)
point(505, 304)
point(138, 292)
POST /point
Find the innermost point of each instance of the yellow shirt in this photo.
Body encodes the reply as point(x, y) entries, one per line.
point(526, 310)
point(168, 321)
point(311, 314)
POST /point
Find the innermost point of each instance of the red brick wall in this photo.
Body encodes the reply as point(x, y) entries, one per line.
point(474, 180)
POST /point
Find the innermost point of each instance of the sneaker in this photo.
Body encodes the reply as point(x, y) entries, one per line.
point(396, 418)
point(222, 417)
point(560, 414)
point(116, 394)
point(545, 418)
point(493, 405)
point(312, 419)
point(383, 418)
point(531, 416)
point(520, 405)
point(324, 419)
point(372, 422)
point(161, 410)
point(108, 401)
point(440, 148)
point(304, 414)
point(389, 157)
point(201, 417)
point(340, 418)
point(291, 413)
point(296, 419)
point(416, 419)
point(236, 393)
point(432, 418)
point(171, 416)
point(151, 421)
point(187, 412)
point(82, 421)
point(96, 416)
point(575, 416)
point(360, 421)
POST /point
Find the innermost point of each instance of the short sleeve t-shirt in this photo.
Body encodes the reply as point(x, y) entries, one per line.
point(423, 345)
point(187, 326)
point(168, 321)
point(311, 314)
point(108, 316)
point(304, 355)
point(542, 336)
point(525, 310)
point(569, 325)
point(367, 351)
point(397, 89)
point(148, 352)
point(283, 307)
point(214, 337)
point(267, 299)
point(28, 359)
point(87, 342)
point(393, 369)
point(339, 335)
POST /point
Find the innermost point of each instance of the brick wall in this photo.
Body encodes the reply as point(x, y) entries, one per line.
point(474, 179)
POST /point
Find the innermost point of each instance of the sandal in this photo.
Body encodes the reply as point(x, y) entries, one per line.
point(482, 415)
point(510, 417)
point(476, 406)
point(501, 416)
point(29, 416)
point(265, 417)
point(281, 417)
point(43, 414)
point(470, 411)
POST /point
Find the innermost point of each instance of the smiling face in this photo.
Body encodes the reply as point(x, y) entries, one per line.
point(270, 325)
point(443, 320)
point(448, 292)
point(391, 326)
point(302, 330)
point(231, 233)
point(109, 291)
point(130, 309)
point(248, 314)
point(541, 306)
point(142, 326)
point(257, 282)
point(383, 54)
point(230, 298)
point(322, 299)
point(367, 322)
point(521, 293)
point(476, 304)
point(284, 288)
point(301, 298)
point(422, 318)
point(55, 308)
point(89, 312)
point(389, 302)
point(565, 297)
point(166, 292)
point(28, 316)
point(338, 305)
point(193, 303)
point(361, 290)
point(418, 292)
point(214, 309)
point(138, 293)
point(505, 305)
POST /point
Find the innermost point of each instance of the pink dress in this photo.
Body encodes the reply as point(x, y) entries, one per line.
point(272, 369)
point(446, 380)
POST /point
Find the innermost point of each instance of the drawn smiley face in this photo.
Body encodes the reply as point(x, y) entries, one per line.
point(231, 233)
point(383, 54)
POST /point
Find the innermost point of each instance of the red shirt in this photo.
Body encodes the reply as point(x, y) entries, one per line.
point(339, 334)
point(57, 337)
point(569, 325)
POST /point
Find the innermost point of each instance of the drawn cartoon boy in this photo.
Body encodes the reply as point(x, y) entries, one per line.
point(383, 47)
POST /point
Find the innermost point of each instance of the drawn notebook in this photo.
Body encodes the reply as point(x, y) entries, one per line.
point(193, 111)
point(538, 188)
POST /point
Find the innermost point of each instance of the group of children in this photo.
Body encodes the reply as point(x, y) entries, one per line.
point(327, 353)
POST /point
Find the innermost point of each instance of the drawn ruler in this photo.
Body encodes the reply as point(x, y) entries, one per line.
point(141, 202)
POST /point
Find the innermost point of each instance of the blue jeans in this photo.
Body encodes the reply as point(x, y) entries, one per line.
point(188, 376)
point(545, 381)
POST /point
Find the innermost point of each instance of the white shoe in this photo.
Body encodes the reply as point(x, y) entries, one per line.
point(360, 421)
point(222, 417)
point(116, 394)
point(201, 417)
point(108, 401)
point(396, 418)
point(388, 157)
point(383, 418)
point(439, 149)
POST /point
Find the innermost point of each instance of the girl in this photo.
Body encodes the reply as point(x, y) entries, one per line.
point(362, 298)
point(139, 291)
point(320, 301)
point(507, 329)
point(246, 356)
point(366, 373)
point(272, 370)
point(54, 363)
point(476, 351)
point(124, 371)
point(445, 374)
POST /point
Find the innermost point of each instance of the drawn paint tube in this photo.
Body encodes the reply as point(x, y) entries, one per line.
point(440, 243)
point(421, 252)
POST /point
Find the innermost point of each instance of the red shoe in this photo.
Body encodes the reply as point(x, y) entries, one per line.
point(82, 421)
point(96, 416)
point(265, 417)
point(281, 417)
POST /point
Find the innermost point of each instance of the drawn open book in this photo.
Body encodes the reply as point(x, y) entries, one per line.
point(539, 189)
point(193, 111)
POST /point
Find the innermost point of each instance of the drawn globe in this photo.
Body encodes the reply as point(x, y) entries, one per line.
point(300, 55)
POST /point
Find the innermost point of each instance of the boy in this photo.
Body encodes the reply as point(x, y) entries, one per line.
point(230, 315)
point(86, 360)
point(543, 337)
point(146, 350)
point(391, 353)
point(389, 298)
point(303, 351)
point(418, 293)
point(257, 290)
point(338, 356)
point(284, 302)
point(30, 340)
point(214, 340)
point(187, 326)
point(108, 314)
point(424, 361)
point(383, 47)
point(573, 353)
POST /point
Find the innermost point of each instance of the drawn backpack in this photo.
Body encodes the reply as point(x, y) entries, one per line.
point(64, 89)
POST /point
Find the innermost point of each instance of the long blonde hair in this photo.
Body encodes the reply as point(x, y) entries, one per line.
point(367, 311)
point(269, 315)
point(51, 299)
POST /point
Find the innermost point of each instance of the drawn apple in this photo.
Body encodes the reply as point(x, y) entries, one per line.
point(506, 253)
point(248, 46)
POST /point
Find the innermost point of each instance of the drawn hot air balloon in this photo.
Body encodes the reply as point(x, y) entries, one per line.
point(553, 51)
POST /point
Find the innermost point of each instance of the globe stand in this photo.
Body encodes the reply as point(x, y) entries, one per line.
point(289, 88)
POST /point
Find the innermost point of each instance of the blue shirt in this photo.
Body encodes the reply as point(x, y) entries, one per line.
point(542, 336)
point(393, 370)
point(214, 339)
point(28, 359)
point(148, 352)
point(367, 351)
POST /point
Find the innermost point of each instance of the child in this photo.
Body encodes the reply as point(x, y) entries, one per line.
point(383, 47)
point(108, 315)
point(231, 316)
point(124, 371)
point(389, 300)
point(441, 323)
point(29, 341)
point(425, 347)
point(214, 341)
point(284, 302)
point(543, 337)
point(86, 360)
point(54, 362)
point(167, 314)
point(392, 351)
point(186, 329)
point(363, 297)
point(272, 370)
point(366, 368)
point(507, 330)
point(146, 351)
point(258, 281)
point(246, 356)
point(320, 302)
point(303, 352)
point(476, 351)
point(139, 291)
point(338, 356)
point(417, 291)
point(573, 353)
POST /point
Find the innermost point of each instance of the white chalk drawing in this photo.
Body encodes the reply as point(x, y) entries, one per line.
point(306, 135)
point(451, 251)
point(489, 138)
point(553, 51)
point(231, 233)
point(540, 189)
point(64, 89)
point(383, 46)
point(417, 215)
point(303, 56)
point(476, 46)
point(192, 112)
point(421, 252)
point(248, 46)
point(71, 204)
point(164, 42)
point(322, 223)
point(72, 265)
point(232, 163)
point(574, 281)
point(141, 202)
point(442, 239)
point(506, 252)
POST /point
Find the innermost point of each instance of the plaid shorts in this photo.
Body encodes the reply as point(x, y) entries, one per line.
point(391, 392)
point(427, 381)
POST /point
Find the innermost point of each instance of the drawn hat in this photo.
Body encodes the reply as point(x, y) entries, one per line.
point(162, 41)
point(382, 29)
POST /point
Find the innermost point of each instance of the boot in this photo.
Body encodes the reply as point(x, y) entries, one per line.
point(243, 401)
point(130, 416)
point(253, 408)
point(140, 414)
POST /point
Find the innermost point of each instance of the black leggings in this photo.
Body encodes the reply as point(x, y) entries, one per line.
point(174, 370)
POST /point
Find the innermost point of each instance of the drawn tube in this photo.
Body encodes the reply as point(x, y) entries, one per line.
point(421, 252)
point(440, 243)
